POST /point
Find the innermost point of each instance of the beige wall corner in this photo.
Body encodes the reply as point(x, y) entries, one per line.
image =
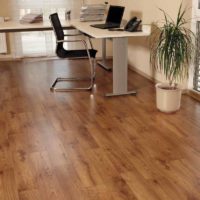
point(149, 12)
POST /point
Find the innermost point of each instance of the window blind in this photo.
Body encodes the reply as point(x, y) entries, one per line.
point(197, 61)
point(39, 43)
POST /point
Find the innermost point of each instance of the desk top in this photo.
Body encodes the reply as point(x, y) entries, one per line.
point(16, 26)
point(105, 33)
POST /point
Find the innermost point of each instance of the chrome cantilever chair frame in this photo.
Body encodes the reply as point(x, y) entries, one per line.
point(92, 61)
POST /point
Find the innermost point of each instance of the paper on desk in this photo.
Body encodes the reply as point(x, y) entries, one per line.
point(31, 18)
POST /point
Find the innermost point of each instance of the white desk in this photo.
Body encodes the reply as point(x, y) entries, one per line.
point(120, 51)
point(120, 46)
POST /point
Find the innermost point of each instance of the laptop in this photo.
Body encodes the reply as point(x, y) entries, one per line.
point(113, 19)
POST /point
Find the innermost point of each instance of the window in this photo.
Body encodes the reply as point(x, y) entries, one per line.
point(197, 61)
point(39, 43)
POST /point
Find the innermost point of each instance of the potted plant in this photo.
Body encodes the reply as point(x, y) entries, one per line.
point(171, 52)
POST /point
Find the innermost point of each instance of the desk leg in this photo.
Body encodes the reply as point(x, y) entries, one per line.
point(103, 62)
point(120, 68)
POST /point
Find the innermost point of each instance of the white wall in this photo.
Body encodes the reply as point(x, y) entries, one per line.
point(149, 12)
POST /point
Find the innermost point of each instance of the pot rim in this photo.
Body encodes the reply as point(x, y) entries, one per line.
point(159, 86)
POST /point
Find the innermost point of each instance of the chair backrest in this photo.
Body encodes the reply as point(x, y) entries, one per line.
point(58, 30)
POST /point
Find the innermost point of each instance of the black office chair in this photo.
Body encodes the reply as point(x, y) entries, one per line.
point(72, 54)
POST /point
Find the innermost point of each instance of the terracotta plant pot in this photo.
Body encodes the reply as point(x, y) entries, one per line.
point(168, 99)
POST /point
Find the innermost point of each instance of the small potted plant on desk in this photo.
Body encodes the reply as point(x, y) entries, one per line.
point(171, 52)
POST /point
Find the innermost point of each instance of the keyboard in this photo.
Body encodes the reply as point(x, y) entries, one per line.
point(106, 25)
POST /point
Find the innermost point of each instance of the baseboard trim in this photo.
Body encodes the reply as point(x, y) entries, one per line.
point(143, 74)
point(153, 80)
point(8, 57)
point(194, 94)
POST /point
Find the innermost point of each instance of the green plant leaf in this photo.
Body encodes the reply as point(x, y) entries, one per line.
point(172, 47)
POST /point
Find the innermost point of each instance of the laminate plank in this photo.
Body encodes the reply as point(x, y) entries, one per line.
point(84, 146)
point(140, 186)
point(86, 170)
point(47, 183)
point(30, 195)
point(9, 190)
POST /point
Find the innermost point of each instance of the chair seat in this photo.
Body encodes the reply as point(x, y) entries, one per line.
point(62, 53)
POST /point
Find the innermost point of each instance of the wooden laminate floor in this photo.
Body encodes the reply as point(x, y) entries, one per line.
point(78, 146)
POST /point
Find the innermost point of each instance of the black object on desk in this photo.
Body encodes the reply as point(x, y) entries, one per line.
point(113, 19)
point(133, 24)
point(116, 29)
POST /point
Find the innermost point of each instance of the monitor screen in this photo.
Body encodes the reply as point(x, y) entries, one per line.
point(115, 14)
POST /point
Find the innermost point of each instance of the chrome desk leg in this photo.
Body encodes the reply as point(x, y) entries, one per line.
point(102, 63)
point(120, 68)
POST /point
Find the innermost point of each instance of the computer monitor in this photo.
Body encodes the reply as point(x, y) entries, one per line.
point(114, 18)
point(115, 14)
